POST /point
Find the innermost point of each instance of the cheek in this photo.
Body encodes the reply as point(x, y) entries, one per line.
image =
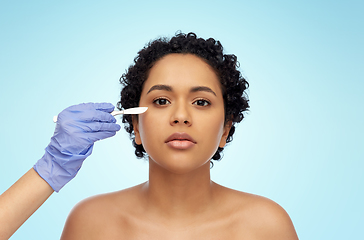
point(152, 129)
point(211, 127)
point(218, 132)
point(149, 126)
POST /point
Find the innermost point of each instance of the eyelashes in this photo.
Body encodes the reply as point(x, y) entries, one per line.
point(161, 101)
point(202, 102)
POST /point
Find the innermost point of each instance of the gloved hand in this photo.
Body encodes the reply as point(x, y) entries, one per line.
point(78, 127)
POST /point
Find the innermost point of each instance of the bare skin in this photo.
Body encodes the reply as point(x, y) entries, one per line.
point(180, 201)
point(20, 201)
point(227, 214)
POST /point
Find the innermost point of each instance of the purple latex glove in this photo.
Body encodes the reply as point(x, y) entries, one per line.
point(78, 127)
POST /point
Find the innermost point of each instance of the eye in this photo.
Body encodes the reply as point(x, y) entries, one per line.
point(161, 101)
point(201, 102)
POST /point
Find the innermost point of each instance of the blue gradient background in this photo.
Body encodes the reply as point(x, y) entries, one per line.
point(301, 144)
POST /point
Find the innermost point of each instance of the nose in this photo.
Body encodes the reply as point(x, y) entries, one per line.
point(181, 115)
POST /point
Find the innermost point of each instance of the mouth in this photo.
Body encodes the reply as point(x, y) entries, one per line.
point(180, 141)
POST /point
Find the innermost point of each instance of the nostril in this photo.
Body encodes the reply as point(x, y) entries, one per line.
point(175, 121)
point(186, 122)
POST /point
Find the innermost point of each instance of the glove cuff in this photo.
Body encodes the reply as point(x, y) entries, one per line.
point(57, 170)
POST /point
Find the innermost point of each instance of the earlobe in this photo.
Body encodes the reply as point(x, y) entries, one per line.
point(225, 135)
point(136, 130)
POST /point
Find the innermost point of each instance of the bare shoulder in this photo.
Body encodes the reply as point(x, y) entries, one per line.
point(261, 217)
point(100, 216)
point(270, 220)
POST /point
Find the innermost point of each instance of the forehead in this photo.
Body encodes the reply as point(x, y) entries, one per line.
point(182, 70)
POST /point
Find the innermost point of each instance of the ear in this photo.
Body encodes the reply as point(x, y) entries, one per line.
point(225, 134)
point(138, 140)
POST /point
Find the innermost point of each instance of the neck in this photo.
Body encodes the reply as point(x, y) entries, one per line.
point(182, 194)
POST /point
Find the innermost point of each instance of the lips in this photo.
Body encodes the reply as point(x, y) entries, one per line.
point(180, 141)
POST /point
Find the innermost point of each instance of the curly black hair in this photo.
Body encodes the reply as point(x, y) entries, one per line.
point(226, 66)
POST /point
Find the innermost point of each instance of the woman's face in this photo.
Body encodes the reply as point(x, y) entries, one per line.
point(184, 124)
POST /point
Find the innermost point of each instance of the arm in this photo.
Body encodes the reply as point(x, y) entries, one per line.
point(78, 127)
point(20, 201)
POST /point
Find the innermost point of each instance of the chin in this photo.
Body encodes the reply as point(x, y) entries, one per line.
point(180, 166)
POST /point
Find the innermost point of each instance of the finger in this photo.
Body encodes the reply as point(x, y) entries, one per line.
point(95, 116)
point(105, 107)
point(100, 127)
point(95, 136)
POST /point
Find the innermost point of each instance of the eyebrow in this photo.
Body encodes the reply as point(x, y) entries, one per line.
point(160, 87)
point(170, 89)
point(202, 88)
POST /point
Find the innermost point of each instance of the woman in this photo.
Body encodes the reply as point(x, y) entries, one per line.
point(195, 95)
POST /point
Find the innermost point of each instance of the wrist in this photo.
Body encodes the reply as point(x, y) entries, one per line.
point(58, 169)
